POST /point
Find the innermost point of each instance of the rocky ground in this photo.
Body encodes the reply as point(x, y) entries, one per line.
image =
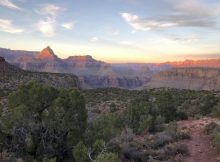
point(200, 146)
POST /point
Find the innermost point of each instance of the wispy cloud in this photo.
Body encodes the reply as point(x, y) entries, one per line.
point(125, 43)
point(9, 4)
point(187, 13)
point(7, 26)
point(50, 10)
point(68, 25)
point(144, 24)
point(94, 39)
point(47, 27)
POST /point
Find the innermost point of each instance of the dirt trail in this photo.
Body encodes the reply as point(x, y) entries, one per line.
point(200, 147)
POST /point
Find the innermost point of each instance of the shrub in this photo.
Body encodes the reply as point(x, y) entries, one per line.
point(211, 127)
point(161, 140)
point(182, 135)
point(80, 153)
point(172, 129)
point(216, 111)
point(107, 157)
point(177, 148)
point(44, 121)
point(113, 107)
point(216, 140)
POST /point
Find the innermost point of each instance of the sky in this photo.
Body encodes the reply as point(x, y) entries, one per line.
point(114, 30)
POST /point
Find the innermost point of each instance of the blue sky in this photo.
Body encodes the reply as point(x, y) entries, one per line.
point(114, 30)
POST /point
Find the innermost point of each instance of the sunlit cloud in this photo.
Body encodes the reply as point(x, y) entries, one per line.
point(51, 10)
point(7, 26)
point(134, 31)
point(188, 13)
point(68, 26)
point(9, 4)
point(47, 27)
point(94, 39)
point(126, 43)
point(144, 24)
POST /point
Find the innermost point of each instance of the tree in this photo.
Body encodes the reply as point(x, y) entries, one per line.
point(80, 153)
point(139, 115)
point(107, 157)
point(166, 106)
point(44, 122)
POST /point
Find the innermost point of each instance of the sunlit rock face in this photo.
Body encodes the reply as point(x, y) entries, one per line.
point(47, 54)
point(187, 78)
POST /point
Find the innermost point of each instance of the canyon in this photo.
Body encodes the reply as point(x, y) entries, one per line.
point(92, 73)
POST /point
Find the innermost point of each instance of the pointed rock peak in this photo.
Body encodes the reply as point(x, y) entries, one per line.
point(47, 53)
point(2, 59)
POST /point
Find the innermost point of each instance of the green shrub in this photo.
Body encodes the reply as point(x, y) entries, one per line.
point(216, 111)
point(216, 140)
point(44, 121)
point(172, 129)
point(80, 153)
point(107, 157)
point(113, 107)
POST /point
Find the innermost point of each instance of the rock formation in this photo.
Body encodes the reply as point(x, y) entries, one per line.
point(187, 78)
point(11, 77)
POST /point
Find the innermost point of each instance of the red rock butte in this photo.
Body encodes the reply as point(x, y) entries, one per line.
point(47, 53)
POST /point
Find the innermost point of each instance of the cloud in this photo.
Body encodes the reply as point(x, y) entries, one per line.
point(145, 24)
point(7, 26)
point(47, 27)
point(68, 26)
point(185, 39)
point(187, 13)
point(134, 31)
point(50, 10)
point(9, 4)
point(126, 43)
point(94, 39)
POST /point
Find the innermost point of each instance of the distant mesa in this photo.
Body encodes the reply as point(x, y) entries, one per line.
point(81, 58)
point(47, 53)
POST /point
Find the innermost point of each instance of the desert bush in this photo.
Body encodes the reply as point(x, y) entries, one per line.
point(44, 122)
point(216, 111)
point(172, 129)
point(113, 107)
point(211, 128)
point(80, 153)
point(176, 148)
point(216, 140)
point(182, 135)
point(161, 139)
point(107, 157)
point(96, 110)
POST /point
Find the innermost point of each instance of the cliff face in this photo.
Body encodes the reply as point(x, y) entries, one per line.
point(196, 63)
point(187, 78)
point(89, 82)
point(11, 77)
